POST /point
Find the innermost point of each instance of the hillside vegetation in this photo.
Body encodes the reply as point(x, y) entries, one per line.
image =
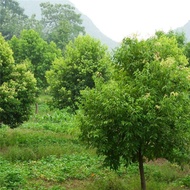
point(33, 7)
point(73, 115)
point(45, 153)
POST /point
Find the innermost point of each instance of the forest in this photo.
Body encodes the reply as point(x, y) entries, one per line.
point(76, 115)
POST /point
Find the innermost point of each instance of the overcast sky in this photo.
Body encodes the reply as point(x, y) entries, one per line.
point(120, 18)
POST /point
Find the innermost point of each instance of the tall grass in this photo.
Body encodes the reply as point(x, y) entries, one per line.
point(28, 144)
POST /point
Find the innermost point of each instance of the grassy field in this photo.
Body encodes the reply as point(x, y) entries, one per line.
point(45, 153)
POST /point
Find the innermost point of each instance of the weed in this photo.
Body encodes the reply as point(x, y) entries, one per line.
point(13, 180)
point(185, 181)
point(165, 172)
point(110, 183)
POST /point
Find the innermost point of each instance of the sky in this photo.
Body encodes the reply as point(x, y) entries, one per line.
point(121, 18)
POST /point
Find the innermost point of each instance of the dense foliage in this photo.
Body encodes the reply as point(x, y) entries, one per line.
point(134, 110)
point(30, 46)
point(144, 112)
point(17, 88)
point(182, 42)
point(84, 58)
point(13, 19)
point(134, 54)
point(61, 23)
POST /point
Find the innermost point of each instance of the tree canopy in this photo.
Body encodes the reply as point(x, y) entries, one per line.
point(17, 88)
point(29, 45)
point(143, 112)
point(84, 58)
point(183, 44)
point(13, 19)
point(61, 23)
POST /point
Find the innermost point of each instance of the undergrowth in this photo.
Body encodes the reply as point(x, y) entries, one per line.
point(45, 153)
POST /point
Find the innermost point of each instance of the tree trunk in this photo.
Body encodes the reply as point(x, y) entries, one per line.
point(36, 110)
point(141, 170)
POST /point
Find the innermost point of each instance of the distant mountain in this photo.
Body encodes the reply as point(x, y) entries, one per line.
point(33, 7)
point(186, 30)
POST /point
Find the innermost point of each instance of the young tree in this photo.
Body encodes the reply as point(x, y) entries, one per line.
point(32, 47)
point(83, 58)
point(61, 23)
point(144, 112)
point(17, 88)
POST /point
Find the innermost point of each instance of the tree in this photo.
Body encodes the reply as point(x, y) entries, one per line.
point(134, 54)
point(29, 45)
point(84, 58)
point(187, 51)
point(61, 23)
point(12, 18)
point(33, 24)
point(143, 112)
point(17, 88)
point(180, 36)
point(181, 39)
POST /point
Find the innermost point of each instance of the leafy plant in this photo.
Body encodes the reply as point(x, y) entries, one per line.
point(61, 23)
point(83, 59)
point(17, 88)
point(185, 181)
point(13, 180)
point(30, 46)
point(143, 112)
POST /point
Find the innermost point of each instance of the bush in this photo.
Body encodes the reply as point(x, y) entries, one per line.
point(17, 88)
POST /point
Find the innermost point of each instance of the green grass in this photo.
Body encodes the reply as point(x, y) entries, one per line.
point(45, 153)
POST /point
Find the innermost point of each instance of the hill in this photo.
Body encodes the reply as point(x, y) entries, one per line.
point(33, 7)
point(186, 30)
